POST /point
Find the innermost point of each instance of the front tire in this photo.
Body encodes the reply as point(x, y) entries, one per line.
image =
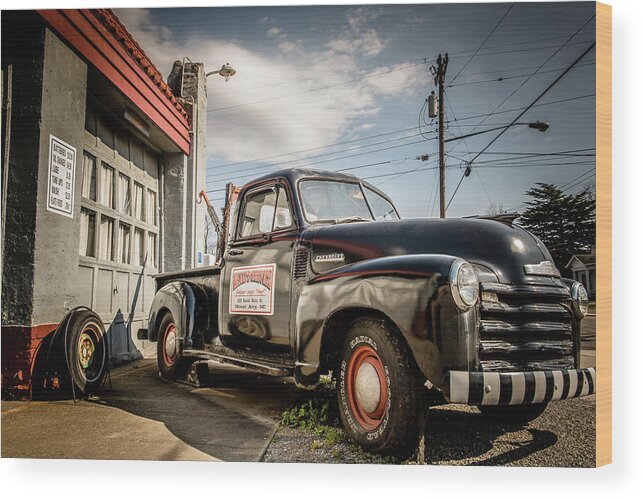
point(379, 389)
point(172, 364)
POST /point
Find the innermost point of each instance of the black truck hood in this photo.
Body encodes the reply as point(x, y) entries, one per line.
point(500, 247)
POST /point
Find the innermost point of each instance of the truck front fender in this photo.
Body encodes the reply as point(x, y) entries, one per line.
point(179, 299)
point(412, 292)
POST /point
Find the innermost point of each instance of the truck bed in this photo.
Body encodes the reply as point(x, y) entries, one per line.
point(189, 274)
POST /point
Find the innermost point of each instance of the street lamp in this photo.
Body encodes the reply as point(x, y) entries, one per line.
point(541, 126)
point(226, 71)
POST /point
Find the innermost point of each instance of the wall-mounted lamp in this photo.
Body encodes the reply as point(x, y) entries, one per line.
point(226, 71)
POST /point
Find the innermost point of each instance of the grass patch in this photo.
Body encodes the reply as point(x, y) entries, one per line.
point(310, 415)
point(319, 416)
point(314, 416)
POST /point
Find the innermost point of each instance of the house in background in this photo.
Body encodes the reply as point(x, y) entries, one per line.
point(583, 267)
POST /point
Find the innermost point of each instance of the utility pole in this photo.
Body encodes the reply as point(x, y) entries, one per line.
point(440, 72)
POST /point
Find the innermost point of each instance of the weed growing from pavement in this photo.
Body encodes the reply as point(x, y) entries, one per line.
point(311, 415)
point(319, 416)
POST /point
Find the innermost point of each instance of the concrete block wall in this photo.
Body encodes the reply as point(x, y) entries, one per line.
point(64, 90)
point(22, 60)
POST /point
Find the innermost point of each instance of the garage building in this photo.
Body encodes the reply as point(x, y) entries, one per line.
point(101, 166)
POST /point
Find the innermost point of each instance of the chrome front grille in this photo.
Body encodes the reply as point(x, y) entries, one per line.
point(528, 328)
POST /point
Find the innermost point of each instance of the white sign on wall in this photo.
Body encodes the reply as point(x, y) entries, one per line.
point(252, 290)
point(62, 169)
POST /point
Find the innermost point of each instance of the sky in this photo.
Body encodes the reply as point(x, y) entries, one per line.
point(343, 88)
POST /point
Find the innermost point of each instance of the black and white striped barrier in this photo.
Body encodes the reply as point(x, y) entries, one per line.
point(531, 387)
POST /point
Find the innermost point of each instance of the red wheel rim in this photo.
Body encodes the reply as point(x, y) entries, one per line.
point(169, 336)
point(368, 402)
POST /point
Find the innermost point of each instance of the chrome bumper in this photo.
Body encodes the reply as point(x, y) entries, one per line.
point(518, 388)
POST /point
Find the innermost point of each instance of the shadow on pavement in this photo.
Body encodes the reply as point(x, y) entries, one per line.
point(232, 421)
point(453, 435)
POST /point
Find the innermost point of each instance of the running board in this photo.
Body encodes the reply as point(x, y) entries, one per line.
point(270, 370)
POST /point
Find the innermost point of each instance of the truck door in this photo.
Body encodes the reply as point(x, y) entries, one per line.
point(255, 289)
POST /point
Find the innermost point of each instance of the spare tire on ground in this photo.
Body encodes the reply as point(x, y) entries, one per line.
point(86, 350)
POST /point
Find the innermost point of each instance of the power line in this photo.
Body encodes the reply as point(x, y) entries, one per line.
point(541, 66)
point(301, 151)
point(558, 101)
point(314, 156)
point(503, 52)
point(463, 53)
point(590, 171)
point(435, 196)
point(576, 184)
point(482, 44)
point(528, 158)
point(326, 146)
point(321, 155)
point(511, 69)
point(306, 165)
point(512, 77)
point(570, 152)
point(455, 119)
point(549, 87)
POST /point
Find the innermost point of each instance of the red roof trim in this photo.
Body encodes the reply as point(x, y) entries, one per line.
point(99, 46)
point(137, 57)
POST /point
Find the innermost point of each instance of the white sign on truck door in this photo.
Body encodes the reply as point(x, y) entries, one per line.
point(252, 290)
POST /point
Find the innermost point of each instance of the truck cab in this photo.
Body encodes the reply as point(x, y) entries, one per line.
point(320, 275)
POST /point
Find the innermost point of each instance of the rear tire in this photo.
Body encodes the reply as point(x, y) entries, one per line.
point(172, 364)
point(379, 389)
point(513, 413)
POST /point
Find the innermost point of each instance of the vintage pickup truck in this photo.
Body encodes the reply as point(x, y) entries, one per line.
point(320, 275)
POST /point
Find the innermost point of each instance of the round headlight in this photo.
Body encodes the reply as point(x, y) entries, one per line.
point(580, 299)
point(464, 284)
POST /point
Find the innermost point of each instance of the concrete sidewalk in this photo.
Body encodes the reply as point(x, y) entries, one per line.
point(144, 417)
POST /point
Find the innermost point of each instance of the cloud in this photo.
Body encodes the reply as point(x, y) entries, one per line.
point(287, 47)
point(360, 16)
point(357, 38)
point(292, 100)
point(275, 32)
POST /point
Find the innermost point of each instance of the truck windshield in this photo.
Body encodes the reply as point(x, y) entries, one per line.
point(334, 201)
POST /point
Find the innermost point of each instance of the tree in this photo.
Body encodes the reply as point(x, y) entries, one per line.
point(496, 209)
point(209, 236)
point(565, 223)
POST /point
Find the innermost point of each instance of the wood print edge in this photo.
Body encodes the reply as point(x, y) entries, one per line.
point(604, 233)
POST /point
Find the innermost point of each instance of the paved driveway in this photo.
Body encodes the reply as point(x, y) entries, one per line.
point(144, 417)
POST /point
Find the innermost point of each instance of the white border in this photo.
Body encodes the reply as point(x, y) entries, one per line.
point(57, 478)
